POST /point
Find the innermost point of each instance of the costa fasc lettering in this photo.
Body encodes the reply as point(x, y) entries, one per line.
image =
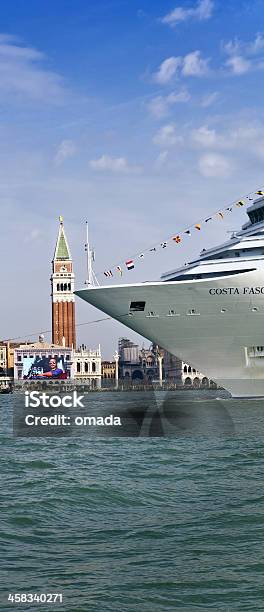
point(236, 290)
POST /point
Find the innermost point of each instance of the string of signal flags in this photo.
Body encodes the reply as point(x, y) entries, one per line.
point(130, 263)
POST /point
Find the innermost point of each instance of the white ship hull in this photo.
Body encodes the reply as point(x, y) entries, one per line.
point(215, 325)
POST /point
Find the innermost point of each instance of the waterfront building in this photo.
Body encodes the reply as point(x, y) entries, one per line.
point(143, 364)
point(108, 370)
point(3, 359)
point(181, 373)
point(62, 293)
point(33, 355)
point(136, 363)
point(9, 350)
point(87, 365)
point(128, 351)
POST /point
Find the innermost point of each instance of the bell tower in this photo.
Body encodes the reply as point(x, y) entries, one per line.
point(62, 296)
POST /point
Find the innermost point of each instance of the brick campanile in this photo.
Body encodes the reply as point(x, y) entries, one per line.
point(62, 296)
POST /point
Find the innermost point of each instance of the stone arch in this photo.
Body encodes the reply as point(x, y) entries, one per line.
point(137, 375)
point(151, 374)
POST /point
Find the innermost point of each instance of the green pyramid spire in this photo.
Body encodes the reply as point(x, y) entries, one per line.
point(62, 250)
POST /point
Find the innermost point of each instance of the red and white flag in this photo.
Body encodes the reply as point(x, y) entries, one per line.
point(130, 264)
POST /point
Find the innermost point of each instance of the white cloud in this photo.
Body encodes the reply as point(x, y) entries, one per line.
point(237, 47)
point(243, 138)
point(167, 70)
point(238, 64)
point(204, 137)
point(257, 45)
point(167, 136)
point(22, 75)
point(209, 99)
point(214, 165)
point(194, 64)
point(245, 56)
point(202, 11)
point(112, 164)
point(232, 47)
point(160, 105)
point(65, 150)
point(161, 159)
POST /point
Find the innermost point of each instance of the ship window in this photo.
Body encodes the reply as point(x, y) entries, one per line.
point(137, 306)
point(214, 275)
point(256, 215)
point(254, 309)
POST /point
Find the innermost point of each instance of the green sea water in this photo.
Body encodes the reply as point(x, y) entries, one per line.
point(145, 524)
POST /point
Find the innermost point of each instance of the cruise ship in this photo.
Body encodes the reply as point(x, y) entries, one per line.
point(210, 312)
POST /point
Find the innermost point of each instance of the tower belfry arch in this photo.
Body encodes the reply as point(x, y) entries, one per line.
point(62, 292)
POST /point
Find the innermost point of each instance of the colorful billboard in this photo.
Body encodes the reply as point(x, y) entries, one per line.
point(44, 368)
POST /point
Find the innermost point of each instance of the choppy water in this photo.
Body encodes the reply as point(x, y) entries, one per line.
point(137, 524)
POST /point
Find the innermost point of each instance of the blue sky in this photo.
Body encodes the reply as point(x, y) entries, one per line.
point(143, 117)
